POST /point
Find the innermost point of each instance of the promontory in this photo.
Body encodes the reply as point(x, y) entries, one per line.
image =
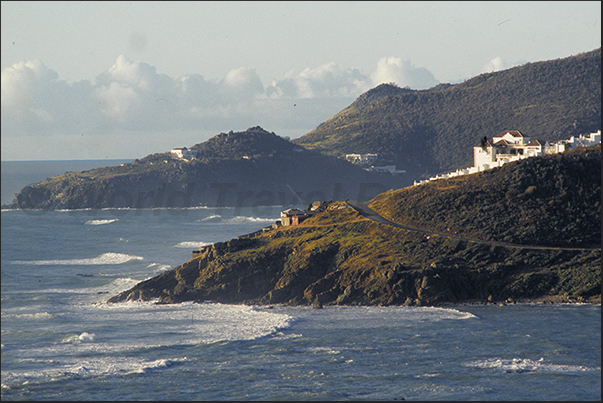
point(529, 229)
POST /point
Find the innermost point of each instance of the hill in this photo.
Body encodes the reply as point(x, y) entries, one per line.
point(249, 168)
point(434, 130)
point(491, 245)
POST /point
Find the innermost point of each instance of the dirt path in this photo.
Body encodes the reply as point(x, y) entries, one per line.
point(363, 209)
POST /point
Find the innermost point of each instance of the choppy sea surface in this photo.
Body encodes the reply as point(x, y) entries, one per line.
point(62, 341)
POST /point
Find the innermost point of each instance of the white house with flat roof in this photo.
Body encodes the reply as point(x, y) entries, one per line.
point(185, 153)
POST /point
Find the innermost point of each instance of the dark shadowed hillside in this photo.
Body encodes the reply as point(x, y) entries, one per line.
point(250, 168)
point(434, 130)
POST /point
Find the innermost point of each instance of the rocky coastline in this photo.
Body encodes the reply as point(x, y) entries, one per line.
point(436, 250)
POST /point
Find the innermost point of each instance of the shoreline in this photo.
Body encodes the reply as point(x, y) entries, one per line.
point(547, 299)
point(544, 300)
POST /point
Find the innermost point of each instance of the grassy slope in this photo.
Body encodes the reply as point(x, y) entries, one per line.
point(552, 200)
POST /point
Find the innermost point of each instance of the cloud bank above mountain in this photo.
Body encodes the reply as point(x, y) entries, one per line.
point(131, 99)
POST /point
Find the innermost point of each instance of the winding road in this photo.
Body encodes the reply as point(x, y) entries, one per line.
point(364, 210)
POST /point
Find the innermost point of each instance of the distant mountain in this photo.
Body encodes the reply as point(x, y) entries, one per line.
point(250, 168)
point(527, 230)
point(434, 130)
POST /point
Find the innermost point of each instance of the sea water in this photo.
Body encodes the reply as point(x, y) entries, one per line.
point(62, 341)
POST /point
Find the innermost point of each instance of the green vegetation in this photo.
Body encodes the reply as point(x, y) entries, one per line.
point(340, 257)
point(434, 130)
point(552, 200)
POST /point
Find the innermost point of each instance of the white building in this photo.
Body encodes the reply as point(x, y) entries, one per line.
point(584, 140)
point(185, 153)
point(512, 146)
point(361, 158)
point(508, 146)
point(386, 169)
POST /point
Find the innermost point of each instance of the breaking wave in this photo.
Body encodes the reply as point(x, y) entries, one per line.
point(217, 218)
point(526, 365)
point(109, 258)
point(100, 222)
point(192, 244)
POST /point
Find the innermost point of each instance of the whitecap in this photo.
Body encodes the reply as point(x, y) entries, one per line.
point(246, 219)
point(211, 218)
point(192, 244)
point(156, 365)
point(84, 337)
point(35, 316)
point(109, 258)
point(526, 365)
point(101, 222)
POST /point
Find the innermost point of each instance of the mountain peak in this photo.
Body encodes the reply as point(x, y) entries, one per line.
point(254, 141)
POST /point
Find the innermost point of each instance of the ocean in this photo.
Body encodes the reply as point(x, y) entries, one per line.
point(62, 341)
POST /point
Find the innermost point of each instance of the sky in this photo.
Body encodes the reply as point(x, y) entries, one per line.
point(121, 80)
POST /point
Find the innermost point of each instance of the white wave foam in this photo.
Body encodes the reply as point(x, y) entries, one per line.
point(101, 222)
point(103, 259)
point(211, 218)
point(84, 337)
point(217, 218)
point(121, 284)
point(112, 345)
point(155, 365)
point(396, 315)
point(245, 219)
point(523, 365)
point(34, 316)
point(70, 367)
point(192, 244)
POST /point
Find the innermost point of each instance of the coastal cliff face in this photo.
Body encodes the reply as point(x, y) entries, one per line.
point(340, 257)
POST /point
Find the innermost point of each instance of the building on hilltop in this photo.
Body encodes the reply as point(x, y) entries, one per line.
point(293, 216)
point(584, 140)
point(508, 146)
point(185, 153)
point(511, 145)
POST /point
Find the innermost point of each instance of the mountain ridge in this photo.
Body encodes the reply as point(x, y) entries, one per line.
point(434, 130)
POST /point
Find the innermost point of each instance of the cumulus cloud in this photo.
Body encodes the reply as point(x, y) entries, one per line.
point(402, 73)
point(132, 99)
point(325, 81)
point(34, 100)
point(496, 64)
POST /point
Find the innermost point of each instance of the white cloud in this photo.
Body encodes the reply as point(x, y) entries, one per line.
point(402, 73)
point(496, 64)
point(119, 100)
point(325, 81)
point(242, 84)
point(132, 99)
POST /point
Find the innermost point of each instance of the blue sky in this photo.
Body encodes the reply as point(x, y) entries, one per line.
point(94, 80)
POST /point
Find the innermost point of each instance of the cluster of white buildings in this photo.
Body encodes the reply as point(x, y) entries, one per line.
point(368, 160)
point(510, 146)
point(185, 153)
